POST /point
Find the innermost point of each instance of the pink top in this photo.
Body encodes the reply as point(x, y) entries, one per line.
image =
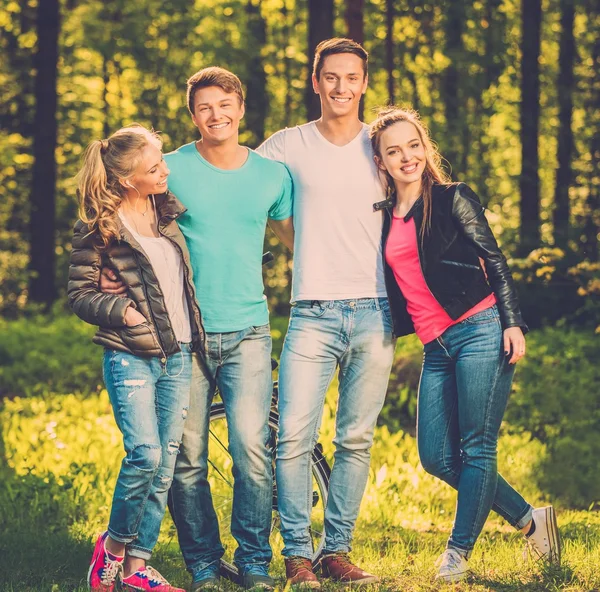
point(402, 255)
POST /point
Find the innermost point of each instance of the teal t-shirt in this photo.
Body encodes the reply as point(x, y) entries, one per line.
point(224, 228)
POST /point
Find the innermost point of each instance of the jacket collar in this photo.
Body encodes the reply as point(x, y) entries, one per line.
point(168, 205)
point(388, 203)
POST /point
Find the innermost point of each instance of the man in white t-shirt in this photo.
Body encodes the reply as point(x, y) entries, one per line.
point(340, 315)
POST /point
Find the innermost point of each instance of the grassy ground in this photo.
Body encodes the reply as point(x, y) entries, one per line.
point(63, 454)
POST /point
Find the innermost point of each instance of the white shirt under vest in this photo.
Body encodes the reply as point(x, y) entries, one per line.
point(168, 267)
point(337, 246)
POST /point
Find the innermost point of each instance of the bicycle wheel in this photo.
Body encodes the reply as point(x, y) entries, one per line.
point(220, 479)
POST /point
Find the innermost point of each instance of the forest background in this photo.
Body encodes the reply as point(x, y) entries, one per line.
point(511, 93)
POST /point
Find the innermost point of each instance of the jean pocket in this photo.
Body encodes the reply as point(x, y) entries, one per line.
point(489, 315)
point(308, 309)
point(264, 329)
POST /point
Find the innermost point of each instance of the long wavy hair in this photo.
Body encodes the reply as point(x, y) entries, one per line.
point(105, 164)
point(433, 172)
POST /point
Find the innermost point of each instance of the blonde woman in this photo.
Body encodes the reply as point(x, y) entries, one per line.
point(466, 314)
point(128, 224)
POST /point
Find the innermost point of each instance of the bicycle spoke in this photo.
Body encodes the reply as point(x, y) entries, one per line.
point(219, 472)
point(218, 440)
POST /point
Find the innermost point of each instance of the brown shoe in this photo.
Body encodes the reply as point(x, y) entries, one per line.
point(299, 574)
point(338, 567)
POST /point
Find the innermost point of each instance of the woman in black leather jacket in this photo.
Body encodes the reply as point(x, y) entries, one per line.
point(448, 281)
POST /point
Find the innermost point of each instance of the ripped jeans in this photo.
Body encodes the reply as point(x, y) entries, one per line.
point(150, 401)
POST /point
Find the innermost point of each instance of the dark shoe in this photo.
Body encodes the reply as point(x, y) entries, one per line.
point(339, 568)
point(299, 574)
point(207, 578)
point(256, 575)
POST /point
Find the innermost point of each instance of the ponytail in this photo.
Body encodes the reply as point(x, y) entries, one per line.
point(105, 164)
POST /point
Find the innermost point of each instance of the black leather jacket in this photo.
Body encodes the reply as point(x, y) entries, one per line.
point(450, 258)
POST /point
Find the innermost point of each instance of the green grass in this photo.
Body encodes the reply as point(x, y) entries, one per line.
point(63, 452)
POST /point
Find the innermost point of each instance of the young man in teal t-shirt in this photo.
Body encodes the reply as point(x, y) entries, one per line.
point(230, 193)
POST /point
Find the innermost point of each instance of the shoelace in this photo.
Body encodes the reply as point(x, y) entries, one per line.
point(154, 576)
point(448, 559)
point(342, 557)
point(110, 572)
point(298, 563)
point(533, 549)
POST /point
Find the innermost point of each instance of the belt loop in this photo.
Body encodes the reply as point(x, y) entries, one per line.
point(377, 303)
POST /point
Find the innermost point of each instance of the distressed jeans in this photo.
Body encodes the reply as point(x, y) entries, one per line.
point(150, 400)
point(356, 336)
point(464, 388)
point(239, 363)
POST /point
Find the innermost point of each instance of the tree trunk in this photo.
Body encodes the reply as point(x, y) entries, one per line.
point(566, 59)
point(320, 27)
point(287, 66)
point(105, 105)
point(389, 48)
point(257, 98)
point(530, 114)
point(591, 228)
point(451, 82)
point(43, 189)
point(355, 21)
point(356, 32)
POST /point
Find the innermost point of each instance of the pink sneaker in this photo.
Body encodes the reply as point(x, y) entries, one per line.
point(104, 567)
point(147, 579)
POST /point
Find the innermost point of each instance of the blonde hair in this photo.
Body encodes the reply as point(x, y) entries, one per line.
point(433, 172)
point(105, 164)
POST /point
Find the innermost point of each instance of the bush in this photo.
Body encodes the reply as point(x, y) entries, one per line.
point(556, 397)
point(551, 288)
point(40, 354)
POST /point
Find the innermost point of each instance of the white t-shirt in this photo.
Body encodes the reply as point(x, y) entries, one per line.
point(337, 246)
point(168, 268)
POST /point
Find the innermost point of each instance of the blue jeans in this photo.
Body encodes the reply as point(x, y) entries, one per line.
point(239, 363)
point(150, 400)
point(356, 336)
point(463, 392)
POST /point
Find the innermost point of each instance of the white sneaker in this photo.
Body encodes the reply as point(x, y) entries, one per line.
point(544, 543)
point(452, 566)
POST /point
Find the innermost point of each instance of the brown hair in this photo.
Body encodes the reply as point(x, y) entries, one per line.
point(433, 172)
point(338, 45)
point(213, 76)
point(105, 164)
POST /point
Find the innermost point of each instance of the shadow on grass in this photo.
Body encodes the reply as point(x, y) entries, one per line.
point(549, 578)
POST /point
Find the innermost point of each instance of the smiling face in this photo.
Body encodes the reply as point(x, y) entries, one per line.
point(217, 114)
point(402, 153)
point(150, 176)
point(341, 83)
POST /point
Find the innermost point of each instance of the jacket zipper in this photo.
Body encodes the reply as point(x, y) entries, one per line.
point(385, 280)
point(155, 333)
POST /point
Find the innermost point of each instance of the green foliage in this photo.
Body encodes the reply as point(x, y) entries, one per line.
point(122, 62)
point(42, 354)
point(551, 288)
point(556, 398)
point(400, 409)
